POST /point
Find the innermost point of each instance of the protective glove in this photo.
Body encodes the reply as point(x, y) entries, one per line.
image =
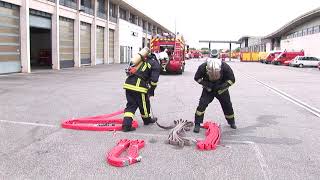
point(207, 88)
point(221, 88)
point(151, 91)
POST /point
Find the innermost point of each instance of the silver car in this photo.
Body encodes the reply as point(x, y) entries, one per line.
point(302, 61)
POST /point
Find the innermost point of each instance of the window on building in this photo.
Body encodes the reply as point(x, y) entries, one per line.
point(144, 25)
point(101, 9)
point(69, 3)
point(295, 34)
point(149, 27)
point(154, 30)
point(310, 30)
point(123, 14)
point(304, 32)
point(133, 18)
point(112, 10)
point(316, 29)
point(299, 33)
point(139, 22)
point(86, 3)
point(86, 6)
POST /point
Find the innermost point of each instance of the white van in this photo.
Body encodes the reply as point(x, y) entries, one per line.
point(301, 61)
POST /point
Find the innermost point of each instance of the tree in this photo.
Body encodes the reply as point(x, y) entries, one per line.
point(237, 50)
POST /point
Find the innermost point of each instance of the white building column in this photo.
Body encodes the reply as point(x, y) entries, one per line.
point(55, 38)
point(94, 35)
point(146, 34)
point(77, 58)
point(106, 37)
point(117, 39)
point(25, 37)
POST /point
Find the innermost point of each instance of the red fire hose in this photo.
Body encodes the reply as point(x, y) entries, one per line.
point(212, 139)
point(133, 147)
point(97, 123)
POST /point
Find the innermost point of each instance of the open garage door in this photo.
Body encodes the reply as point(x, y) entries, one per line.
point(111, 46)
point(100, 45)
point(85, 43)
point(9, 38)
point(66, 40)
point(40, 40)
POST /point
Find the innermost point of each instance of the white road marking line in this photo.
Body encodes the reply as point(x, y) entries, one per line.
point(262, 162)
point(288, 97)
point(31, 124)
point(142, 134)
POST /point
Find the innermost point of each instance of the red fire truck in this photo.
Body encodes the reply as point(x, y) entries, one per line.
point(176, 52)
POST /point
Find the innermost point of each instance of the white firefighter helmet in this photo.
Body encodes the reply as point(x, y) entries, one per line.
point(214, 69)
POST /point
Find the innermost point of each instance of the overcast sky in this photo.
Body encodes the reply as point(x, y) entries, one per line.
point(223, 19)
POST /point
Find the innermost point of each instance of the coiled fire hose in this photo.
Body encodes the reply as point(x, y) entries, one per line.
point(177, 134)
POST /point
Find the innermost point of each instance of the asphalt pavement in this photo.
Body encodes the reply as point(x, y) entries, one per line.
point(277, 138)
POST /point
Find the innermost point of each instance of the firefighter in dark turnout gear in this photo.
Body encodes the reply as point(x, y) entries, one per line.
point(139, 86)
point(215, 77)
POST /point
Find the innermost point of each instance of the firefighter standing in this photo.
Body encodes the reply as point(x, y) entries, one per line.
point(139, 86)
point(215, 77)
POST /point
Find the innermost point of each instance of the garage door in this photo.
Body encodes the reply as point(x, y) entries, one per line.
point(100, 46)
point(66, 40)
point(9, 38)
point(85, 43)
point(111, 46)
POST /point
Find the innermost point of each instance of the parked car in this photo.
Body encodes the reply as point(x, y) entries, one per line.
point(319, 65)
point(286, 56)
point(302, 61)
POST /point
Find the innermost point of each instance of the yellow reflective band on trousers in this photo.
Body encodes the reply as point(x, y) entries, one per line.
point(128, 114)
point(230, 82)
point(145, 116)
point(144, 104)
point(138, 82)
point(149, 65)
point(153, 83)
point(229, 116)
point(199, 113)
point(135, 88)
point(222, 91)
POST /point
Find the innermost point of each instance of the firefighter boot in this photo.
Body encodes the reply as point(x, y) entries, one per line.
point(148, 121)
point(196, 128)
point(232, 124)
point(127, 128)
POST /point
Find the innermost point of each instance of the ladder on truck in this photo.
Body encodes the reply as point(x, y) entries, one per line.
point(177, 49)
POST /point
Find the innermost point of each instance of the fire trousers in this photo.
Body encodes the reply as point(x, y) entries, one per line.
point(136, 100)
point(225, 102)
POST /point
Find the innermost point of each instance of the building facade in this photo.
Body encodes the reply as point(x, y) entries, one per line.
point(252, 44)
point(302, 33)
point(57, 34)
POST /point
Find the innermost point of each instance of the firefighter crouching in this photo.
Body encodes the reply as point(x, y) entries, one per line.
point(215, 77)
point(143, 75)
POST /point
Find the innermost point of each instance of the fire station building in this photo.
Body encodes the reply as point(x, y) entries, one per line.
point(57, 34)
point(302, 33)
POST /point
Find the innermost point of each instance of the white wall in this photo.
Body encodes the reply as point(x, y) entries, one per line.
point(310, 44)
point(126, 37)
